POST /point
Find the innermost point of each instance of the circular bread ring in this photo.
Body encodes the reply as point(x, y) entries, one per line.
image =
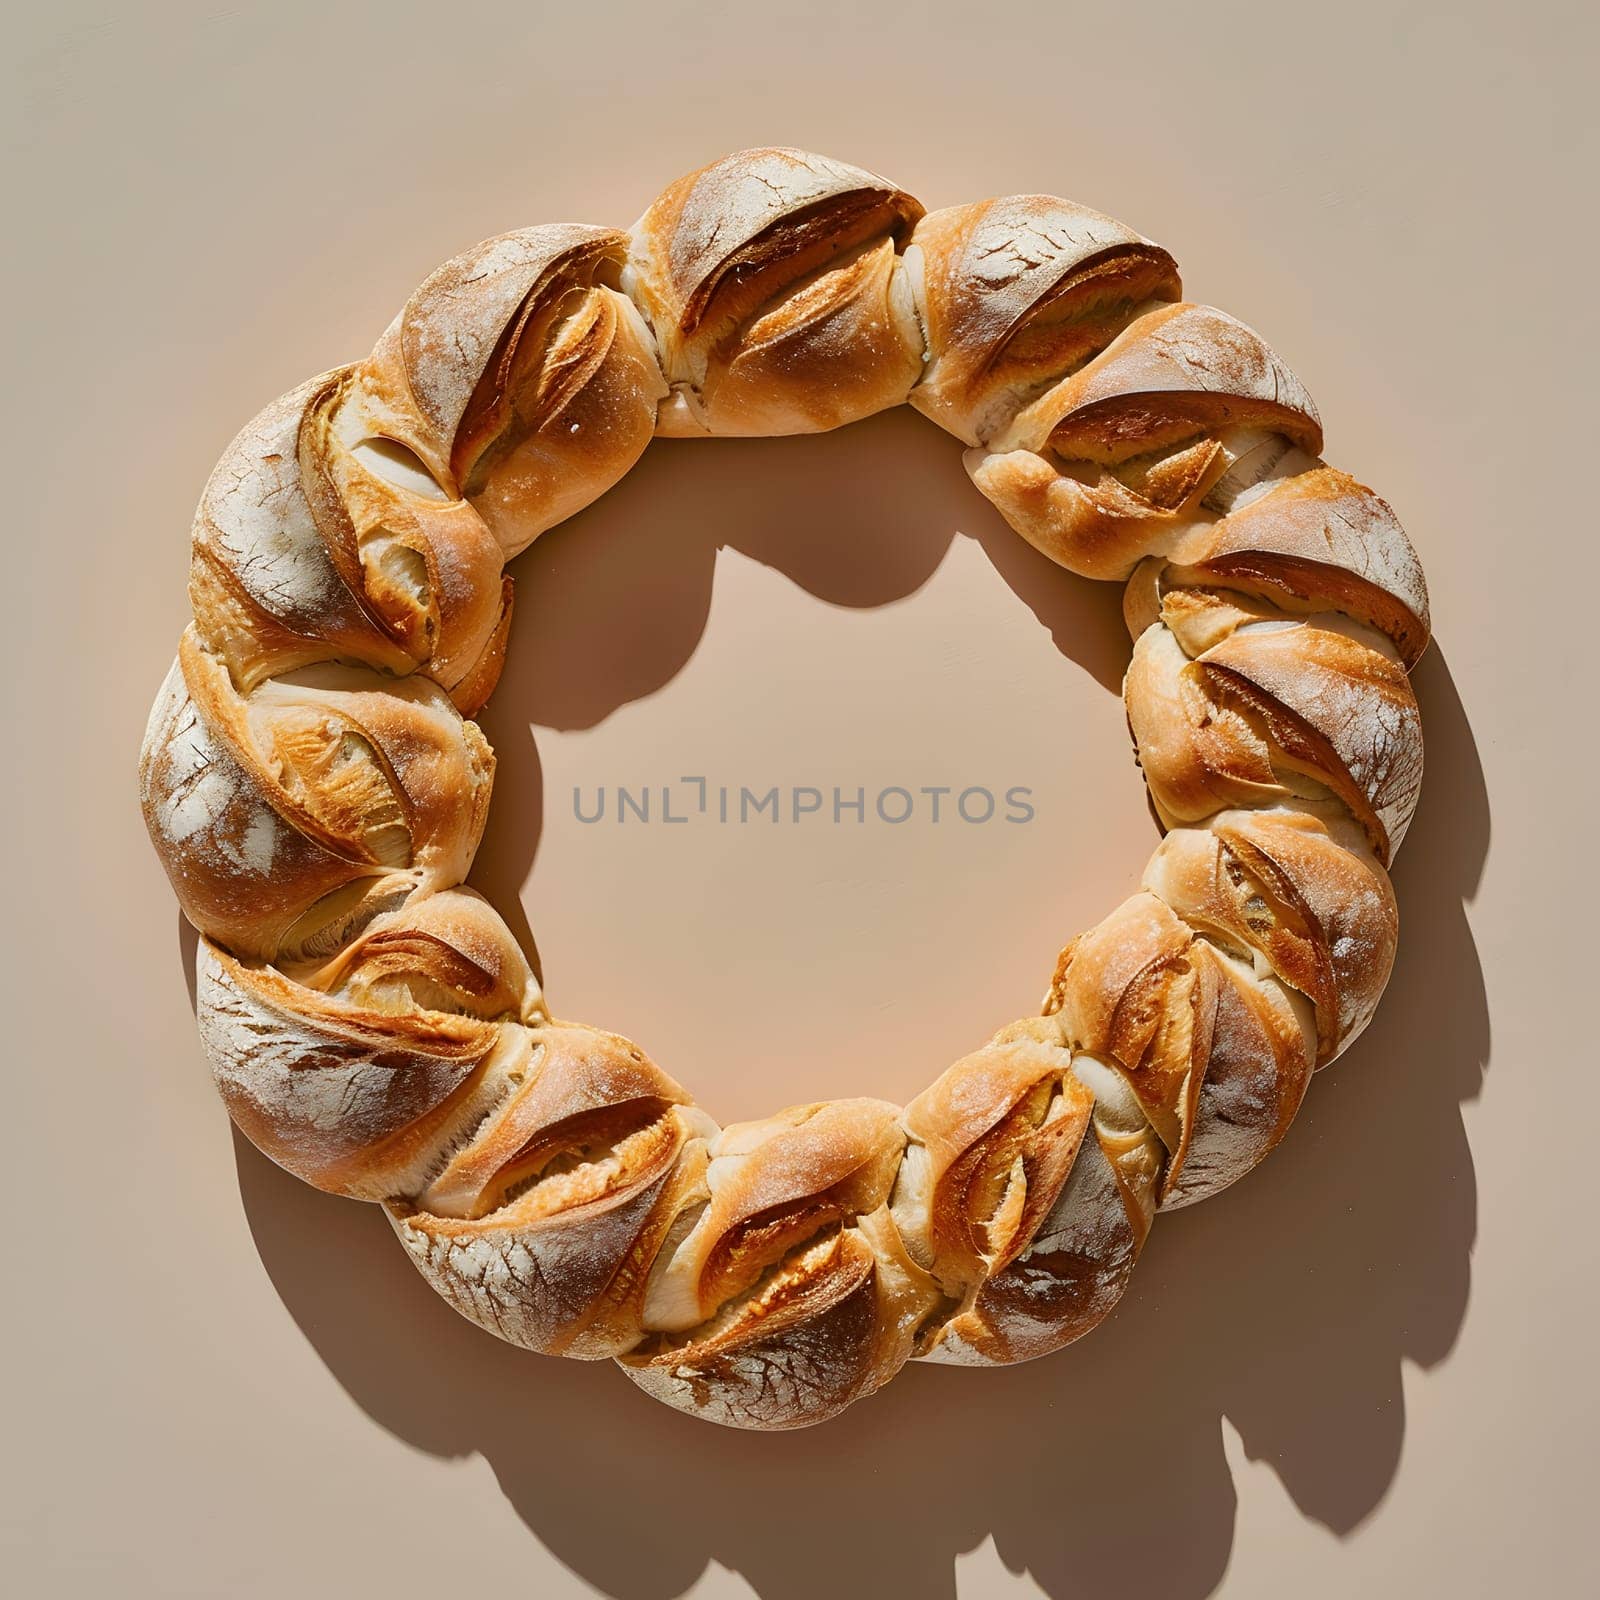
point(316, 793)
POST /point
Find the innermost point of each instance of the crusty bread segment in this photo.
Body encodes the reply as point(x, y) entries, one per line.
point(543, 1222)
point(1112, 462)
point(315, 785)
point(1316, 541)
point(779, 302)
point(1015, 294)
point(520, 377)
point(316, 794)
point(352, 1098)
point(1267, 710)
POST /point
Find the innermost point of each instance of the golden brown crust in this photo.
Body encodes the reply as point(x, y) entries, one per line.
point(1128, 994)
point(270, 591)
point(317, 798)
point(1178, 372)
point(429, 567)
point(1106, 466)
point(264, 805)
point(788, 1293)
point(567, 1281)
point(1075, 1271)
point(449, 951)
point(470, 693)
point(1318, 541)
point(1256, 1072)
point(1310, 902)
point(1228, 708)
point(771, 281)
point(353, 1099)
point(1025, 1201)
point(585, 1094)
point(303, 554)
point(774, 1185)
point(813, 1340)
point(1017, 292)
point(520, 376)
point(993, 1140)
point(542, 1225)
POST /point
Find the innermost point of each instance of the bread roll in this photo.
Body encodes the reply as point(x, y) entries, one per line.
point(520, 377)
point(302, 554)
point(778, 299)
point(787, 1295)
point(1302, 894)
point(1313, 541)
point(273, 811)
point(1009, 1201)
point(542, 1224)
point(354, 1075)
point(1105, 467)
point(1228, 707)
point(1016, 293)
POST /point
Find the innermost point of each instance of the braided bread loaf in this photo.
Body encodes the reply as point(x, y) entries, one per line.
point(316, 793)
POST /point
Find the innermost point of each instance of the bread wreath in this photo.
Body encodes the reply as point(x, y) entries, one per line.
point(316, 791)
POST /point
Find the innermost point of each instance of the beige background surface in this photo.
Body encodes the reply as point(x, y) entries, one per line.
point(1369, 1369)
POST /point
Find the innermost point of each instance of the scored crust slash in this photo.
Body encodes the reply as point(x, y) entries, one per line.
point(316, 791)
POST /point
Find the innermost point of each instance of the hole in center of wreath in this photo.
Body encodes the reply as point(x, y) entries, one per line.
point(807, 764)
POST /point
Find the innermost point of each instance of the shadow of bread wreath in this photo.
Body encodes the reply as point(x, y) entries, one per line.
point(316, 791)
